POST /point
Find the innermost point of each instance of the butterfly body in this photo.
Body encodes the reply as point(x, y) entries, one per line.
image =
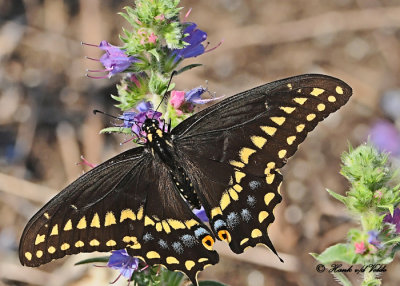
point(226, 158)
point(160, 144)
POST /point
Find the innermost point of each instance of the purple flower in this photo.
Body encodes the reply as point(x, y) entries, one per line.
point(128, 118)
point(194, 37)
point(120, 260)
point(395, 219)
point(386, 137)
point(373, 238)
point(201, 214)
point(115, 60)
point(184, 101)
point(144, 106)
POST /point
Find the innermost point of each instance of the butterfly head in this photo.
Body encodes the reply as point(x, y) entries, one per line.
point(150, 124)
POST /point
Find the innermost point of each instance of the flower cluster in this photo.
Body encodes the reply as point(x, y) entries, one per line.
point(154, 47)
point(374, 202)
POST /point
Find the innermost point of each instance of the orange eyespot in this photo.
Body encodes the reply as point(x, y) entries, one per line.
point(208, 242)
point(224, 235)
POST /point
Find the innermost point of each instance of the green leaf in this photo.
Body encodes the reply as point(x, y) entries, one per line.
point(172, 278)
point(339, 252)
point(388, 207)
point(116, 129)
point(341, 278)
point(155, 53)
point(101, 259)
point(341, 198)
point(394, 240)
point(188, 67)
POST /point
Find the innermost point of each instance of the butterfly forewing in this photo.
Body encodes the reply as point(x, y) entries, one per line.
point(240, 158)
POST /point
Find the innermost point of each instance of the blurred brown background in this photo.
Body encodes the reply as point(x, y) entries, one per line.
point(46, 119)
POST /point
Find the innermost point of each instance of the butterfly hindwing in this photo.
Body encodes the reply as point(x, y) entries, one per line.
point(127, 202)
point(243, 141)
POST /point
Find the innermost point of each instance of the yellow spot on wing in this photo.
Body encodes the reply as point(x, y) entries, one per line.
point(166, 227)
point(79, 243)
point(321, 107)
point(189, 264)
point(150, 137)
point(39, 253)
point(300, 100)
point(258, 141)
point(278, 120)
point(233, 194)
point(269, 130)
point(82, 223)
point(290, 139)
point(216, 211)
point(135, 246)
point(128, 239)
point(289, 85)
point(65, 246)
point(95, 221)
point(46, 215)
point(176, 224)
point(256, 233)
point(54, 230)
point(68, 225)
point(110, 219)
point(331, 98)
point(158, 226)
point(311, 117)
point(300, 127)
point(268, 198)
point(152, 255)
point(238, 188)
point(202, 260)
point(279, 188)
point(127, 213)
point(139, 215)
point(190, 223)
point(270, 178)
point(94, 242)
point(111, 243)
point(225, 200)
point(172, 260)
point(236, 164)
point(39, 239)
point(245, 153)
point(148, 221)
point(159, 133)
point(28, 256)
point(262, 216)
point(51, 249)
point(282, 153)
point(316, 91)
point(244, 240)
point(339, 90)
point(239, 176)
point(288, 110)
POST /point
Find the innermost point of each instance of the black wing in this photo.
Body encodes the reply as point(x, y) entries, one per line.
point(127, 202)
point(233, 150)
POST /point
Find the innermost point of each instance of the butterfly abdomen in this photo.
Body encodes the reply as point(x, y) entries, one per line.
point(161, 146)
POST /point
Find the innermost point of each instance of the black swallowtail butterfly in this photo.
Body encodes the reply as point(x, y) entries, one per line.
point(226, 157)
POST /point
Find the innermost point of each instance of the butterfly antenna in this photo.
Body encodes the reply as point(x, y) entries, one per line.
point(166, 91)
point(95, 111)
